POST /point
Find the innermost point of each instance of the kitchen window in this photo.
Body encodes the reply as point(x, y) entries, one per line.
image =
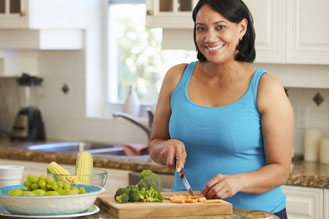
point(134, 52)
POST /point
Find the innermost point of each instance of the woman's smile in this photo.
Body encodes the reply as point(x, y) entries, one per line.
point(214, 49)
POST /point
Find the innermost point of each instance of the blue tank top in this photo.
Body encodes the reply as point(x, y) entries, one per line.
point(225, 139)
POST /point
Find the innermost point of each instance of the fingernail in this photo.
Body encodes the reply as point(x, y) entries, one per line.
point(178, 169)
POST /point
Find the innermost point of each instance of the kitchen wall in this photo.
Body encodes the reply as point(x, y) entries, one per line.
point(65, 113)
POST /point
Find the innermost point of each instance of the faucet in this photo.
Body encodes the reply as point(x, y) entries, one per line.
point(128, 117)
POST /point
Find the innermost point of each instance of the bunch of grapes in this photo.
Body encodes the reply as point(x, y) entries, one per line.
point(46, 186)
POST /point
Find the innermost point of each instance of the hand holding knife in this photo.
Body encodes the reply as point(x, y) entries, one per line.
point(185, 182)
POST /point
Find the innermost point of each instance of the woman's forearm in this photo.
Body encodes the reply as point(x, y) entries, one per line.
point(263, 179)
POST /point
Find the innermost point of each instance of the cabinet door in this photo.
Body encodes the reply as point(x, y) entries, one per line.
point(307, 32)
point(326, 204)
point(303, 202)
point(13, 14)
point(269, 23)
point(171, 14)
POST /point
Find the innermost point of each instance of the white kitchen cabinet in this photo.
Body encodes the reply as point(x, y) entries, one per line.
point(269, 24)
point(171, 14)
point(41, 14)
point(304, 202)
point(307, 32)
point(326, 203)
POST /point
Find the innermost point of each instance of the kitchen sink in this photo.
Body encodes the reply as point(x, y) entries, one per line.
point(78, 146)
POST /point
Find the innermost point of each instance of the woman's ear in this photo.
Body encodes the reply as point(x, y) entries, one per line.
point(243, 25)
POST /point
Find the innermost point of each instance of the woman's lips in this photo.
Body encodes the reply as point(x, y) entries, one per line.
point(214, 48)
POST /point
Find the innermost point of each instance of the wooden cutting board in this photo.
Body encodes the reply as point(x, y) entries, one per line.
point(164, 209)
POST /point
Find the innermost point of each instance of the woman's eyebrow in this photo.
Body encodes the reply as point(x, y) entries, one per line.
point(215, 23)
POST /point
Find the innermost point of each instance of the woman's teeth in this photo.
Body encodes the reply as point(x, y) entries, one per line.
point(214, 48)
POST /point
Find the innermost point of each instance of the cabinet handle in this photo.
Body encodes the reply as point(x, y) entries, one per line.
point(149, 12)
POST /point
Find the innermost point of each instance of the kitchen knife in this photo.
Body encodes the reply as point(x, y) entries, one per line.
point(185, 182)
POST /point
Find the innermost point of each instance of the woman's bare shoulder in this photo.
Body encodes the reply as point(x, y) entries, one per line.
point(174, 74)
point(270, 91)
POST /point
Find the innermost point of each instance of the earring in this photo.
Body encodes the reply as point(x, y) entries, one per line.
point(241, 38)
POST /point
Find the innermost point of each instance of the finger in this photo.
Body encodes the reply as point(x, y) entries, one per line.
point(170, 158)
point(217, 191)
point(210, 184)
point(180, 158)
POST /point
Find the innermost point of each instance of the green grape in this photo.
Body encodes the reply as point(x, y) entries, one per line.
point(48, 186)
point(27, 193)
point(42, 183)
point(54, 185)
point(82, 190)
point(69, 192)
point(60, 191)
point(27, 183)
point(34, 179)
point(66, 186)
point(30, 176)
point(42, 177)
point(74, 189)
point(50, 179)
point(60, 184)
point(15, 192)
point(34, 186)
point(51, 193)
point(39, 192)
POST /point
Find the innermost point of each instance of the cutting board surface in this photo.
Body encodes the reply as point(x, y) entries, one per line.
point(164, 209)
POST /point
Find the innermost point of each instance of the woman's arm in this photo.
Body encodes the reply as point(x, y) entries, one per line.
point(163, 150)
point(277, 127)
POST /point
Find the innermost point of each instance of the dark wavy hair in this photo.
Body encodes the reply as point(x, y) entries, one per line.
point(235, 11)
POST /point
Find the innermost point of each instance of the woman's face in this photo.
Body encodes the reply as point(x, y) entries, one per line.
point(217, 38)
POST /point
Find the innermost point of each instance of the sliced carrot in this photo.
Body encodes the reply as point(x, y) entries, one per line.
point(166, 197)
point(179, 201)
point(201, 199)
point(213, 201)
point(191, 201)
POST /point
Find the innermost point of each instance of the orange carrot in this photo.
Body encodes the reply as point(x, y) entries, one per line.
point(212, 201)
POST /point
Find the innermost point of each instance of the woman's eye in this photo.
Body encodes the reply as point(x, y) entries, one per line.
point(200, 29)
point(220, 27)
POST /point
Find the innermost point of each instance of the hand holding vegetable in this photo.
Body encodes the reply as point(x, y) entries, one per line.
point(221, 186)
point(174, 154)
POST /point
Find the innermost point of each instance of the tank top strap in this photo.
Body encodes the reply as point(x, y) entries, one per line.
point(255, 82)
point(187, 74)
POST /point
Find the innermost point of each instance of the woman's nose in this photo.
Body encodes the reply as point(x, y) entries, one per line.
point(211, 36)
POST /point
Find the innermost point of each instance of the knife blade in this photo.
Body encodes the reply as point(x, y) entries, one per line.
point(185, 182)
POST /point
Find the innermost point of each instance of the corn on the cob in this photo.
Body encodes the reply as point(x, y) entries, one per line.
point(84, 168)
point(57, 169)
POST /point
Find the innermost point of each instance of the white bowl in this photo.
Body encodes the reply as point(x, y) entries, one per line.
point(11, 175)
point(49, 205)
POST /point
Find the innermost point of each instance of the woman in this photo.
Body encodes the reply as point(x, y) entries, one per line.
point(229, 124)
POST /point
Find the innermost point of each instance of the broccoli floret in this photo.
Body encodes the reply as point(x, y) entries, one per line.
point(150, 179)
point(135, 195)
point(148, 188)
point(123, 198)
point(120, 191)
point(153, 195)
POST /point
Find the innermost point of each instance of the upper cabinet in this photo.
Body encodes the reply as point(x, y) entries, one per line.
point(42, 24)
point(269, 22)
point(287, 32)
point(171, 14)
point(307, 32)
point(41, 14)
